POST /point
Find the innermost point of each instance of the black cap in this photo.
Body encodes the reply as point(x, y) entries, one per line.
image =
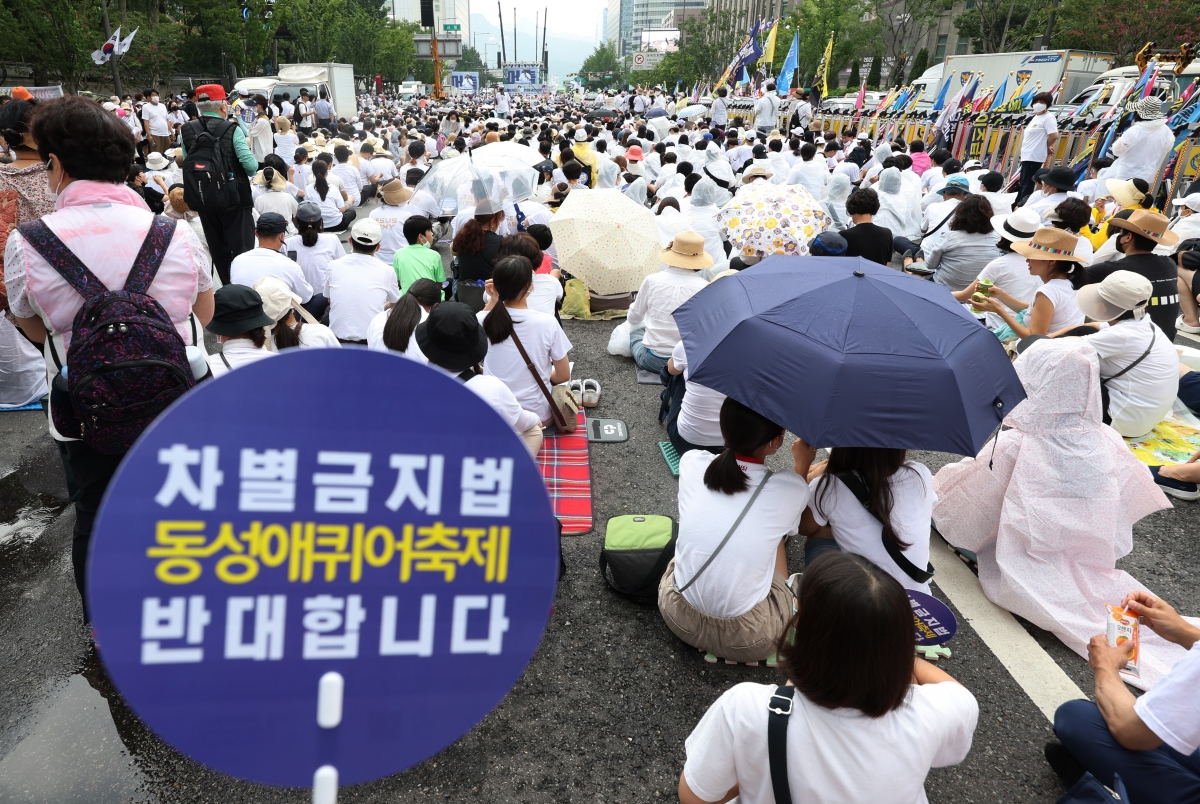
point(237, 310)
point(545, 166)
point(271, 223)
point(452, 337)
point(306, 212)
point(1060, 178)
point(951, 166)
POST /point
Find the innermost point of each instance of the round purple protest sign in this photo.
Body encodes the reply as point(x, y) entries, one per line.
point(934, 621)
point(322, 511)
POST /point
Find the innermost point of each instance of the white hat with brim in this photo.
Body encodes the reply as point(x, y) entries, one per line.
point(156, 161)
point(1017, 227)
point(1124, 192)
point(1192, 202)
point(1120, 292)
point(278, 300)
point(687, 251)
point(1149, 108)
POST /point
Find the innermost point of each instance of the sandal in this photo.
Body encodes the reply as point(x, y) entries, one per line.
point(590, 395)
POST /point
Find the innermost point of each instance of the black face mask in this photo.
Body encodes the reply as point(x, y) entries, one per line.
point(1121, 244)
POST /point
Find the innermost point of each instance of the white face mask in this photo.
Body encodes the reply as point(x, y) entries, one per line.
point(1038, 108)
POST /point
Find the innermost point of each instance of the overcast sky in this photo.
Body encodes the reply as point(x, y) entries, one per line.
point(577, 19)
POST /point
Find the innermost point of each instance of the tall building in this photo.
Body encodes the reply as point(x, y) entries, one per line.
point(620, 26)
point(648, 15)
point(602, 32)
point(747, 12)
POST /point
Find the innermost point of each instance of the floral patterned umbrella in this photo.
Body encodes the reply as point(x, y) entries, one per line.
point(607, 240)
point(767, 219)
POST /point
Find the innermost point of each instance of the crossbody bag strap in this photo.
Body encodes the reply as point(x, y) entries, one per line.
point(779, 711)
point(536, 376)
point(940, 225)
point(852, 481)
point(225, 360)
point(736, 522)
point(1145, 354)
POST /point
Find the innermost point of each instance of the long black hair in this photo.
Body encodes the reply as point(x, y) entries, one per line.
point(285, 335)
point(405, 316)
point(875, 466)
point(309, 232)
point(744, 432)
point(511, 276)
point(319, 169)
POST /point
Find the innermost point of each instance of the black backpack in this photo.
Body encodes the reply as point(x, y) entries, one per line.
point(209, 184)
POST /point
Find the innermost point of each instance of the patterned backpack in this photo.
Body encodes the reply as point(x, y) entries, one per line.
point(126, 362)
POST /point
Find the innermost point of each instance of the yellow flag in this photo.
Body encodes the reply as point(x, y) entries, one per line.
point(824, 83)
point(768, 56)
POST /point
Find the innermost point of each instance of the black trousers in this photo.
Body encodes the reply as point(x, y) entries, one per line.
point(347, 218)
point(228, 235)
point(1025, 188)
point(92, 470)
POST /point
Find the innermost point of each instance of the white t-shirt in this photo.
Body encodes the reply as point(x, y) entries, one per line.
point(740, 576)
point(358, 288)
point(1066, 309)
point(157, 115)
point(314, 262)
point(1172, 708)
point(280, 202)
point(238, 352)
point(331, 205)
point(699, 419)
point(857, 531)
point(493, 391)
point(546, 291)
point(385, 167)
point(317, 335)
point(834, 755)
point(1141, 397)
point(302, 174)
point(352, 180)
point(1037, 132)
point(285, 147)
point(1010, 272)
point(251, 266)
point(544, 342)
point(391, 221)
point(375, 337)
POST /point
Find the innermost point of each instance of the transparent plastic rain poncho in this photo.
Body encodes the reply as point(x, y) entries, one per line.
point(607, 175)
point(702, 218)
point(895, 212)
point(834, 203)
point(637, 191)
point(716, 165)
point(1050, 509)
point(490, 187)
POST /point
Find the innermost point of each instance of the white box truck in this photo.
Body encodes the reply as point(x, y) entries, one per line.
point(1077, 69)
point(336, 79)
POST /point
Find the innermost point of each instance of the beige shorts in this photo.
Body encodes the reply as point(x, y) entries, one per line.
point(750, 637)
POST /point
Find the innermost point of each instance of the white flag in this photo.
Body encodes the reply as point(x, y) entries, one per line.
point(107, 50)
point(126, 42)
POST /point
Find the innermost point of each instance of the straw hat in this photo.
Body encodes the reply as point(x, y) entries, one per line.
point(1120, 292)
point(1124, 192)
point(175, 199)
point(395, 193)
point(283, 124)
point(319, 140)
point(1050, 244)
point(278, 182)
point(1148, 224)
point(756, 172)
point(686, 251)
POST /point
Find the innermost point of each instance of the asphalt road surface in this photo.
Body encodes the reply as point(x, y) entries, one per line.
point(603, 710)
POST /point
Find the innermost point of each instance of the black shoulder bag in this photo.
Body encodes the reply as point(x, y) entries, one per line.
point(859, 489)
point(779, 709)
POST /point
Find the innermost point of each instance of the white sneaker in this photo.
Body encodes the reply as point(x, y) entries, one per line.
point(1182, 327)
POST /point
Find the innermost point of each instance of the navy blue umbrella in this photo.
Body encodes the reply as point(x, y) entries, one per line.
point(844, 352)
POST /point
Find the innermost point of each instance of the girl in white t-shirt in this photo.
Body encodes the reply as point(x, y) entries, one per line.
point(294, 327)
point(1052, 257)
point(866, 720)
point(314, 248)
point(901, 496)
point(239, 323)
point(726, 591)
point(507, 314)
point(392, 329)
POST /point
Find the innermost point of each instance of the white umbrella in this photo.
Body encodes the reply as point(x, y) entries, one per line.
point(513, 180)
point(692, 111)
point(607, 240)
point(515, 150)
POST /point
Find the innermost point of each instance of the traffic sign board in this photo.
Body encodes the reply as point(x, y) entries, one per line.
point(284, 588)
point(451, 27)
point(647, 60)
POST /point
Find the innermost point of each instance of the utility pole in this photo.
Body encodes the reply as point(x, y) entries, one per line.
point(112, 60)
point(1050, 25)
point(503, 51)
point(514, 33)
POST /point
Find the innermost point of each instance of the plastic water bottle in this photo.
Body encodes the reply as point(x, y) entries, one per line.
point(198, 360)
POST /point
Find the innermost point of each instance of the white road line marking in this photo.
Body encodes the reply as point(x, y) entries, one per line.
point(1030, 666)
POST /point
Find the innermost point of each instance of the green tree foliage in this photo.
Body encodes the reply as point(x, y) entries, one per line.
point(815, 20)
point(1127, 27)
point(920, 64)
point(996, 26)
point(855, 79)
point(875, 74)
point(901, 23)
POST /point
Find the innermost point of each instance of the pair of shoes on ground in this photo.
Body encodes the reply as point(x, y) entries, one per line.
point(1179, 489)
point(586, 391)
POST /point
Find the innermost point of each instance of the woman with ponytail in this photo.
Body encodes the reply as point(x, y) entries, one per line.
point(314, 248)
point(392, 329)
point(508, 316)
point(726, 591)
point(274, 196)
point(321, 191)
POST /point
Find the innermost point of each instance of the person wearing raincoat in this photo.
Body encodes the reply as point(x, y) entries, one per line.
point(607, 175)
point(834, 202)
point(701, 214)
point(638, 191)
point(1049, 507)
point(810, 172)
point(717, 168)
point(895, 208)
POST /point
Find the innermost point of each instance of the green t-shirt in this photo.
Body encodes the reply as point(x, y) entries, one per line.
point(417, 262)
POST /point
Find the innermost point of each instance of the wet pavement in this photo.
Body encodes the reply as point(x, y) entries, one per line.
point(600, 715)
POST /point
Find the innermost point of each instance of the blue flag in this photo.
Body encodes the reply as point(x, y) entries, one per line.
point(941, 98)
point(784, 83)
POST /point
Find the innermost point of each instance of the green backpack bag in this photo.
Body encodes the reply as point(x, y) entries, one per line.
point(636, 552)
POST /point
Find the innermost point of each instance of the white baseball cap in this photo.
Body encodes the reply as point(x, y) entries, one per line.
point(366, 232)
point(1192, 202)
point(1119, 292)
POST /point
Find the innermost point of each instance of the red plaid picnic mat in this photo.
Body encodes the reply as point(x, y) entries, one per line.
point(563, 461)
